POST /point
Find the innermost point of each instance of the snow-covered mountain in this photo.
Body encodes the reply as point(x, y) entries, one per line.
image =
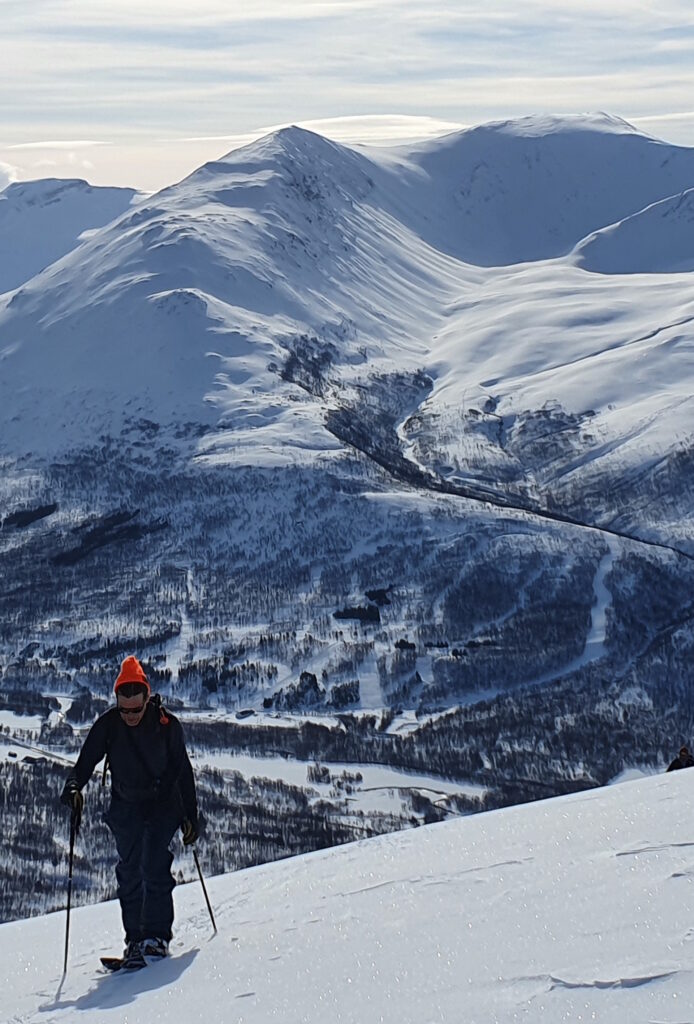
point(656, 240)
point(261, 297)
point(42, 220)
point(525, 190)
point(363, 435)
point(569, 909)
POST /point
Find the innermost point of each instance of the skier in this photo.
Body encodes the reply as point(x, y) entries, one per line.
point(683, 760)
point(152, 795)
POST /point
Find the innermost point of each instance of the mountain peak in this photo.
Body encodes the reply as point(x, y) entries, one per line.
point(43, 191)
point(291, 140)
point(41, 186)
point(294, 134)
point(297, 237)
point(540, 125)
point(43, 219)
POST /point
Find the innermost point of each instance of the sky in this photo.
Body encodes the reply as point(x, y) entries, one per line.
point(140, 93)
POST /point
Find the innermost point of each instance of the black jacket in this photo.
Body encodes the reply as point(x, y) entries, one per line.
point(148, 761)
point(681, 762)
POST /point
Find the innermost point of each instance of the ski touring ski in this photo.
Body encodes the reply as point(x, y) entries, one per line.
point(137, 955)
point(119, 963)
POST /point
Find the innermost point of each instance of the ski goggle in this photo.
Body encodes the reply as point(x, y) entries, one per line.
point(131, 711)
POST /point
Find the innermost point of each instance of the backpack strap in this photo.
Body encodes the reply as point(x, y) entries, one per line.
point(107, 759)
point(156, 701)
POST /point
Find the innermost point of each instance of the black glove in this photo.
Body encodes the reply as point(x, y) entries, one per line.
point(189, 832)
point(72, 796)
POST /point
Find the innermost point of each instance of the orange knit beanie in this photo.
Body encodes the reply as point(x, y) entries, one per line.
point(131, 671)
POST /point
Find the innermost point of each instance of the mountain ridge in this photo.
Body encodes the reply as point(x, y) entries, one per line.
point(656, 240)
point(301, 256)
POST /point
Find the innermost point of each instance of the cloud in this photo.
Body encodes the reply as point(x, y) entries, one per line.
point(368, 129)
point(60, 144)
point(153, 163)
point(8, 174)
point(166, 70)
point(676, 128)
point(50, 158)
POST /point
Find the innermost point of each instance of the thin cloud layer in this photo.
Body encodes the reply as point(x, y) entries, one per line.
point(130, 73)
point(152, 165)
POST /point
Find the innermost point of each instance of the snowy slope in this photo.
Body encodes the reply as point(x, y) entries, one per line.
point(195, 306)
point(513, 191)
point(549, 340)
point(658, 240)
point(42, 220)
point(178, 311)
point(573, 909)
point(271, 370)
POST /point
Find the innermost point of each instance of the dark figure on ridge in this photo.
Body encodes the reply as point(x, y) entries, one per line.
point(683, 760)
point(152, 795)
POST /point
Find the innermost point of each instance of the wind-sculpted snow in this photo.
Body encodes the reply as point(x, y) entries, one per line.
point(530, 913)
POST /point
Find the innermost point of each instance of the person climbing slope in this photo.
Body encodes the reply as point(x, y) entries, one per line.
point(152, 795)
point(683, 760)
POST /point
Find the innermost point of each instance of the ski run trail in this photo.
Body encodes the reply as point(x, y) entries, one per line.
point(578, 908)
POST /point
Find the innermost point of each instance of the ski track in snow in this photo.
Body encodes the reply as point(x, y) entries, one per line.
point(370, 692)
point(595, 641)
point(179, 648)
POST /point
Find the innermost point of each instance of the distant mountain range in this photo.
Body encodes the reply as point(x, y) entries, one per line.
point(326, 427)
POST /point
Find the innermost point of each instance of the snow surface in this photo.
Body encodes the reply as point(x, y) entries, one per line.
point(657, 240)
point(378, 790)
point(567, 910)
point(28, 723)
point(40, 221)
point(595, 641)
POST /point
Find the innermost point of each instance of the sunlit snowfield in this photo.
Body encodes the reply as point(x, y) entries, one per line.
point(572, 909)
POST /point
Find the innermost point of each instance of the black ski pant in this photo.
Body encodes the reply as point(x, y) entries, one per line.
point(143, 832)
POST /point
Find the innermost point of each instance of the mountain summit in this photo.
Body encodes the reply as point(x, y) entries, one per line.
point(516, 191)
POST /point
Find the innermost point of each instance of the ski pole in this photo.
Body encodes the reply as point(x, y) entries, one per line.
point(73, 831)
point(202, 883)
point(197, 862)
